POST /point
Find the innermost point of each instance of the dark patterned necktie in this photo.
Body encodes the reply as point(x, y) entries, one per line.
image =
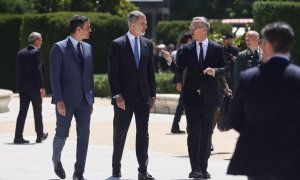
point(80, 56)
point(201, 55)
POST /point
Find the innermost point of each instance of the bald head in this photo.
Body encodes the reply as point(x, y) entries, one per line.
point(252, 39)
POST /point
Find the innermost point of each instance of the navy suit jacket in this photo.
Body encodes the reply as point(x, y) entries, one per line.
point(124, 77)
point(29, 70)
point(69, 82)
point(266, 113)
point(194, 78)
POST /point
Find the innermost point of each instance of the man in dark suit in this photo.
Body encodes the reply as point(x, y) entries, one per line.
point(30, 85)
point(265, 112)
point(132, 85)
point(71, 74)
point(204, 62)
point(186, 38)
point(230, 54)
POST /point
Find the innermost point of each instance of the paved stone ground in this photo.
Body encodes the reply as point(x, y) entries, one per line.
point(167, 152)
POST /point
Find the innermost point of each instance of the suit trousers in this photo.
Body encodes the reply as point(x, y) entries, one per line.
point(36, 100)
point(82, 114)
point(178, 113)
point(199, 127)
point(121, 123)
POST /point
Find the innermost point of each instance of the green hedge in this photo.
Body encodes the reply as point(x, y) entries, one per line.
point(163, 84)
point(54, 27)
point(266, 12)
point(10, 31)
point(170, 31)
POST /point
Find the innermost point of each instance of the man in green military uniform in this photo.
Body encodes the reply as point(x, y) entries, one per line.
point(250, 57)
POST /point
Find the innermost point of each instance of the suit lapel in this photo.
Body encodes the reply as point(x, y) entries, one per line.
point(130, 52)
point(208, 52)
point(143, 52)
point(71, 47)
point(194, 53)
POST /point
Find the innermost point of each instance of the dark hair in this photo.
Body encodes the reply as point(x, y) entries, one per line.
point(280, 35)
point(184, 39)
point(77, 21)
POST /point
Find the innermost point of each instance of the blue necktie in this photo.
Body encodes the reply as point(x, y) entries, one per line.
point(80, 56)
point(136, 52)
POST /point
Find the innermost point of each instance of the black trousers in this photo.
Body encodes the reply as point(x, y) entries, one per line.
point(199, 125)
point(178, 113)
point(121, 123)
point(36, 100)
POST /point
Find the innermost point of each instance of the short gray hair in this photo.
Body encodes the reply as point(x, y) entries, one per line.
point(202, 20)
point(34, 36)
point(133, 16)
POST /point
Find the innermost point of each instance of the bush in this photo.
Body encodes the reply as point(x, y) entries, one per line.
point(54, 27)
point(10, 31)
point(267, 12)
point(163, 84)
point(170, 31)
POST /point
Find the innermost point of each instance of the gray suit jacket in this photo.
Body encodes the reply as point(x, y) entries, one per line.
point(69, 82)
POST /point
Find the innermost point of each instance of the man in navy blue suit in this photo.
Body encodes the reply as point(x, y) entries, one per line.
point(266, 112)
point(132, 85)
point(71, 74)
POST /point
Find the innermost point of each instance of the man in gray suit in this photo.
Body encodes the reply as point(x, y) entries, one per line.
point(71, 74)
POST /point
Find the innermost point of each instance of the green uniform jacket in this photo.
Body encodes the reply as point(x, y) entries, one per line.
point(245, 60)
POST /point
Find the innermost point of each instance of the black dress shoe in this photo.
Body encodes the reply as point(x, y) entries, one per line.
point(77, 177)
point(41, 138)
point(195, 174)
point(116, 174)
point(205, 175)
point(146, 176)
point(20, 141)
point(177, 131)
point(59, 170)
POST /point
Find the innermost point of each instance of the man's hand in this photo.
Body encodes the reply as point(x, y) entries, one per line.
point(61, 108)
point(228, 92)
point(152, 102)
point(43, 92)
point(120, 102)
point(166, 55)
point(92, 109)
point(179, 87)
point(210, 71)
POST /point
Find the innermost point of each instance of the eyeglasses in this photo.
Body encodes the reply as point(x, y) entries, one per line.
point(195, 27)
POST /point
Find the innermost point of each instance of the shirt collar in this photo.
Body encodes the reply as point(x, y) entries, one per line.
point(32, 46)
point(278, 55)
point(130, 36)
point(73, 41)
point(204, 43)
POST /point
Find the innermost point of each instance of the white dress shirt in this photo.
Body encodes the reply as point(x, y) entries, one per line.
point(204, 46)
point(132, 42)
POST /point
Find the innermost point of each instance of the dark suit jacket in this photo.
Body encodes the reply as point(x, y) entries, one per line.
point(69, 82)
point(187, 58)
point(266, 113)
point(29, 70)
point(124, 77)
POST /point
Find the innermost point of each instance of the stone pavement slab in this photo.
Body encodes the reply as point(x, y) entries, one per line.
point(33, 162)
point(168, 158)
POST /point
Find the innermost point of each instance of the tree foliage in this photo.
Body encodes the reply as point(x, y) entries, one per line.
point(211, 9)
